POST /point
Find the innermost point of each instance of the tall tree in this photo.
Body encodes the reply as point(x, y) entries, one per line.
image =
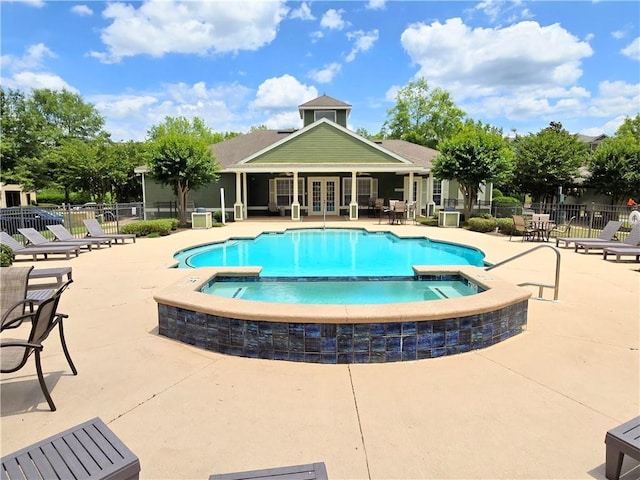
point(475, 155)
point(615, 165)
point(181, 157)
point(547, 160)
point(423, 116)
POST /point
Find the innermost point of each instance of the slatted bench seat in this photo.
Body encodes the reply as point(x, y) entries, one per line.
point(311, 471)
point(620, 441)
point(88, 451)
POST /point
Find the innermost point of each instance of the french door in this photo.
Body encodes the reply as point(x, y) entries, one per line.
point(324, 195)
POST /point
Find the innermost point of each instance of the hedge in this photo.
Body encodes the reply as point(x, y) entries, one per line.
point(6, 256)
point(158, 227)
point(484, 225)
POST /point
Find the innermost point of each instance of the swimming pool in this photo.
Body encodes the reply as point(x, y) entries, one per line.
point(334, 333)
point(354, 291)
point(329, 252)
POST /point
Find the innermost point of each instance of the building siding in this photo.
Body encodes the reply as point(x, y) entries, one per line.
point(324, 145)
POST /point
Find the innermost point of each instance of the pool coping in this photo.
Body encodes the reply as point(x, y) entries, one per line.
point(498, 293)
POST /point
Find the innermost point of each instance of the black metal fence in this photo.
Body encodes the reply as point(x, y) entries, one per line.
point(110, 216)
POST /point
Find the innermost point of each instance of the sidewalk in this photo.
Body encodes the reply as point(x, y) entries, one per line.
point(535, 406)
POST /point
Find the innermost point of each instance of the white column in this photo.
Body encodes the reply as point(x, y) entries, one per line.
point(237, 207)
point(245, 210)
point(353, 206)
point(295, 205)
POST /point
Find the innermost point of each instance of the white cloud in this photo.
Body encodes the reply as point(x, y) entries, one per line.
point(284, 120)
point(160, 27)
point(82, 10)
point(327, 74)
point(376, 4)
point(632, 50)
point(130, 116)
point(315, 36)
point(26, 81)
point(503, 10)
point(332, 20)
point(32, 59)
point(518, 71)
point(363, 42)
point(32, 3)
point(303, 13)
point(283, 93)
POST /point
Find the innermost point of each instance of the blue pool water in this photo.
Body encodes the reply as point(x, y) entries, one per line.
point(341, 292)
point(330, 253)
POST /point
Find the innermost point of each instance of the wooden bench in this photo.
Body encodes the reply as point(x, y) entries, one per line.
point(88, 451)
point(624, 439)
point(311, 471)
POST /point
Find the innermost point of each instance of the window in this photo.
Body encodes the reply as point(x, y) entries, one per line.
point(437, 191)
point(284, 191)
point(328, 114)
point(366, 188)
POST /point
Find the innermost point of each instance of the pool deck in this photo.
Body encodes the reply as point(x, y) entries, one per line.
point(535, 406)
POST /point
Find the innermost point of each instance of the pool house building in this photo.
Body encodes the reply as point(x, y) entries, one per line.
point(321, 169)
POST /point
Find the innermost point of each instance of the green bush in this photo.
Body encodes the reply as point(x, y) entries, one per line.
point(158, 227)
point(6, 256)
point(429, 222)
point(506, 226)
point(217, 216)
point(484, 225)
point(506, 201)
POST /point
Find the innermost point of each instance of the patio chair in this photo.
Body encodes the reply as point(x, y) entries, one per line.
point(520, 226)
point(399, 212)
point(16, 352)
point(64, 235)
point(14, 292)
point(95, 231)
point(563, 229)
point(45, 251)
point(36, 239)
point(608, 233)
point(632, 241)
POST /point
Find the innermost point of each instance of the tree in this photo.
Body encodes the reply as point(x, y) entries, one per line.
point(615, 165)
point(421, 116)
point(43, 136)
point(547, 160)
point(476, 154)
point(181, 157)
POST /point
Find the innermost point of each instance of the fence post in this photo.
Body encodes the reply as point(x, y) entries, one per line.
point(593, 208)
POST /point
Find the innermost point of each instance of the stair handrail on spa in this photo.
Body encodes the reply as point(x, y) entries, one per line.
point(556, 284)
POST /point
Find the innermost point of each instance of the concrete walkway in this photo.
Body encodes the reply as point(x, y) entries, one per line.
point(536, 406)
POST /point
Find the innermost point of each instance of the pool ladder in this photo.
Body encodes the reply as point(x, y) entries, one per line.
point(541, 286)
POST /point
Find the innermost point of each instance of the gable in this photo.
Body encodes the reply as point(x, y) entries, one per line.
point(324, 144)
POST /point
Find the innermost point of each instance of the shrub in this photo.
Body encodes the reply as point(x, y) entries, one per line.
point(159, 227)
point(6, 256)
point(484, 225)
point(507, 201)
point(429, 222)
point(506, 226)
point(217, 216)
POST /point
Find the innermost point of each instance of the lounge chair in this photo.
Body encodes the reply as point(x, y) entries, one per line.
point(18, 249)
point(632, 241)
point(520, 226)
point(620, 252)
point(14, 291)
point(36, 239)
point(95, 231)
point(608, 233)
point(310, 471)
point(64, 235)
point(16, 352)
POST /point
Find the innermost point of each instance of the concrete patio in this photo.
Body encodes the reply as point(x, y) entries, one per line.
point(535, 406)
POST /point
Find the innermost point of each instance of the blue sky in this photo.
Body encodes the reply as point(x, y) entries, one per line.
point(235, 64)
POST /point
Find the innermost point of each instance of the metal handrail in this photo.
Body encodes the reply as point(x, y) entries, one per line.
point(556, 284)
